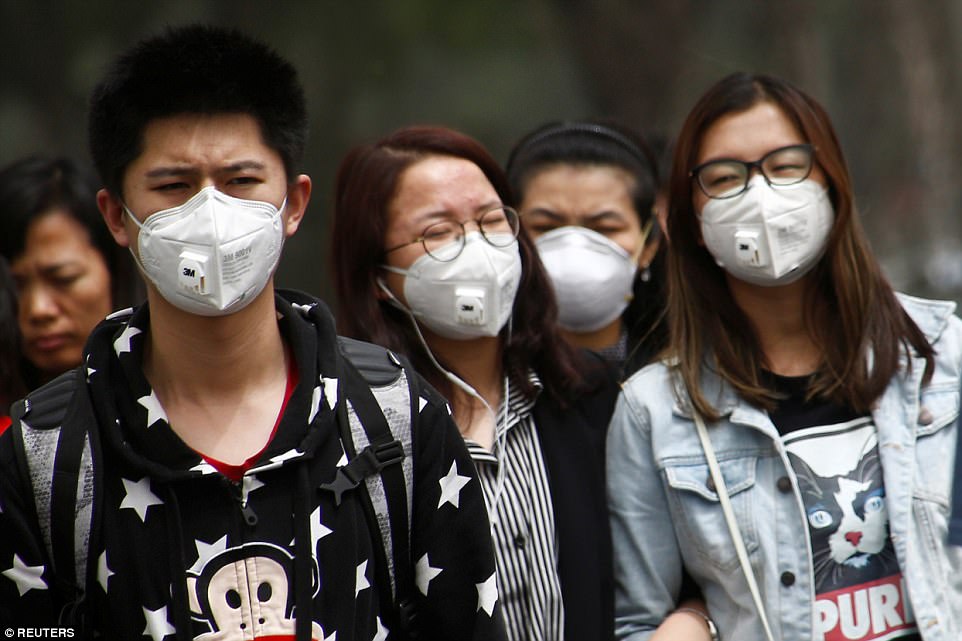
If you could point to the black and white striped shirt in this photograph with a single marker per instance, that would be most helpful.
(523, 528)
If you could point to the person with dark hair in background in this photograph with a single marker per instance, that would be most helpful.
(587, 192)
(11, 381)
(431, 260)
(790, 450)
(221, 494)
(69, 273)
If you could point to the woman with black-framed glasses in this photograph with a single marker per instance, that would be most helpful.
(789, 452)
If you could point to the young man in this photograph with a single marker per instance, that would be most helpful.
(221, 416)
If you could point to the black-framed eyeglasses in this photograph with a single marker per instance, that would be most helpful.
(444, 240)
(727, 177)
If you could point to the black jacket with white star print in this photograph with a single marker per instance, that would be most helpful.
(174, 554)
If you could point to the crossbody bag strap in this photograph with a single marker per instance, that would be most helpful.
(726, 505)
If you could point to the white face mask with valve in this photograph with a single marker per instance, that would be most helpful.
(769, 235)
(468, 297)
(591, 275)
(212, 255)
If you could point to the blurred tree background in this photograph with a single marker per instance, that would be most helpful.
(886, 70)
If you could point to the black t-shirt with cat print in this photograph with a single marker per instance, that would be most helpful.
(860, 595)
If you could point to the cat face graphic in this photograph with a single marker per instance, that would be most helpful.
(848, 523)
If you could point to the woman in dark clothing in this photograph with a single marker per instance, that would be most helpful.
(588, 192)
(430, 260)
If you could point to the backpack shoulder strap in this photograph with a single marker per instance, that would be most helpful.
(52, 444)
(377, 412)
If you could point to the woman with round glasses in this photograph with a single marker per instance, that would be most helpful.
(587, 191)
(790, 452)
(430, 260)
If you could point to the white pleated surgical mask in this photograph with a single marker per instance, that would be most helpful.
(468, 297)
(591, 275)
(769, 235)
(212, 255)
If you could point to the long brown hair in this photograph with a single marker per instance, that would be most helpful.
(367, 181)
(852, 312)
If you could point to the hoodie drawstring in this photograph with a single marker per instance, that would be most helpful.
(177, 561)
(303, 556)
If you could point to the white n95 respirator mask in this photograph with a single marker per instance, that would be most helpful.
(769, 235)
(591, 275)
(212, 255)
(468, 297)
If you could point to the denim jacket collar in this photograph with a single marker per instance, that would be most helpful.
(931, 317)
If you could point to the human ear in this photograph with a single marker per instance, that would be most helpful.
(112, 210)
(298, 195)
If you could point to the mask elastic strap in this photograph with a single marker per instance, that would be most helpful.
(646, 234)
(394, 270)
(130, 247)
(130, 214)
(646, 230)
(470, 391)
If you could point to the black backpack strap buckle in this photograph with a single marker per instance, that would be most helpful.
(369, 461)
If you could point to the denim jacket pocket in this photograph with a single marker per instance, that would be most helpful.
(934, 440)
(699, 515)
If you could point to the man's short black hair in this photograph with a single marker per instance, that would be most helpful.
(196, 69)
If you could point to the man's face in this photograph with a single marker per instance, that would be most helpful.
(185, 153)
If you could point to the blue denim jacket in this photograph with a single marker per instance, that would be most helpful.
(665, 513)
(955, 524)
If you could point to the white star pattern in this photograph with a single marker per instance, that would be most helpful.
(90, 371)
(27, 577)
(205, 552)
(126, 311)
(361, 582)
(204, 468)
(122, 343)
(303, 309)
(315, 403)
(332, 637)
(154, 411)
(139, 497)
(157, 624)
(487, 594)
(330, 391)
(286, 456)
(451, 485)
(421, 403)
(381, 634)
(424, 574)
(249, 483)
(318, 529)
(103, 571)
(341, 462)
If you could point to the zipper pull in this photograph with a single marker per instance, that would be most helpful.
(250, 517)
(242, 493)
